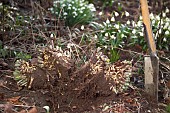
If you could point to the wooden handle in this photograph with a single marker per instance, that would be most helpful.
(147, 23)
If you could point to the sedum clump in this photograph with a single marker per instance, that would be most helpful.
(73, 12)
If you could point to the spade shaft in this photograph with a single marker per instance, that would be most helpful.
(151, 61)
(147, 25)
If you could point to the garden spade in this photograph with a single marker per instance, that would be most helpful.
(151, 60)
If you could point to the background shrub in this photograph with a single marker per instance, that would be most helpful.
(73, 12)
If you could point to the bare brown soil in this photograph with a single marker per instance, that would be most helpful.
(73, 90)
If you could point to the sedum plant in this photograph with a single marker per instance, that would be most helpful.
(73, 12)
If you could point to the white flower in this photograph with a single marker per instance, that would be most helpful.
(140, 17)
(102, 31)
(63, 5)
(98, 49)
(95, 36)
(167, 19)
(74, 13)
(55, 12)
(106, 34)
(105, 47)
(166, 25)
(128, 22)
(47, 108)
(158, 17)
(153, 21)
(81, 4)
(167, 32)
(155, 36)
(133, 23)
(107, 21)
(167, 10)
(55, 2)
(117, 26)
(143, 29)
(69, 8)
(104, 23)
(100, 13)
(164, 39)
(51, 35)
(141, 34)
(122, 35)
(51, 9)
(105, 38)
(112, 37)
(161, 23)
(112, 19)
(139, 23)
(81, 11)
(69, 45)
(65, 13)
(82, 27)
(134, 31)
(126, 13)
(152, 16)
(73, 8)
(82, 8)
(116, 14)
(91, 7)
(164, 14)
(160, 31)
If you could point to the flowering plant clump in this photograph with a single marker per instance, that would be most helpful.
(73, 12)
(161, 31)
(112, 35)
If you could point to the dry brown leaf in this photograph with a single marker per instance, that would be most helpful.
(23, 111)
(32, 110)
(14, 100)
(8, 108)
(1, 96)
(129, 100)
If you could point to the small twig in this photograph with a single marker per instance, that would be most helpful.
(129, 51)
(25, 106)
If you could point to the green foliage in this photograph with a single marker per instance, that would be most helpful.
(22, 55)
(10, 16)
(5, 52)
(73, 12)
(114, 55)
(17, 75)
(168, 109)
(104, 2)
(107, 2)
(21, 80)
